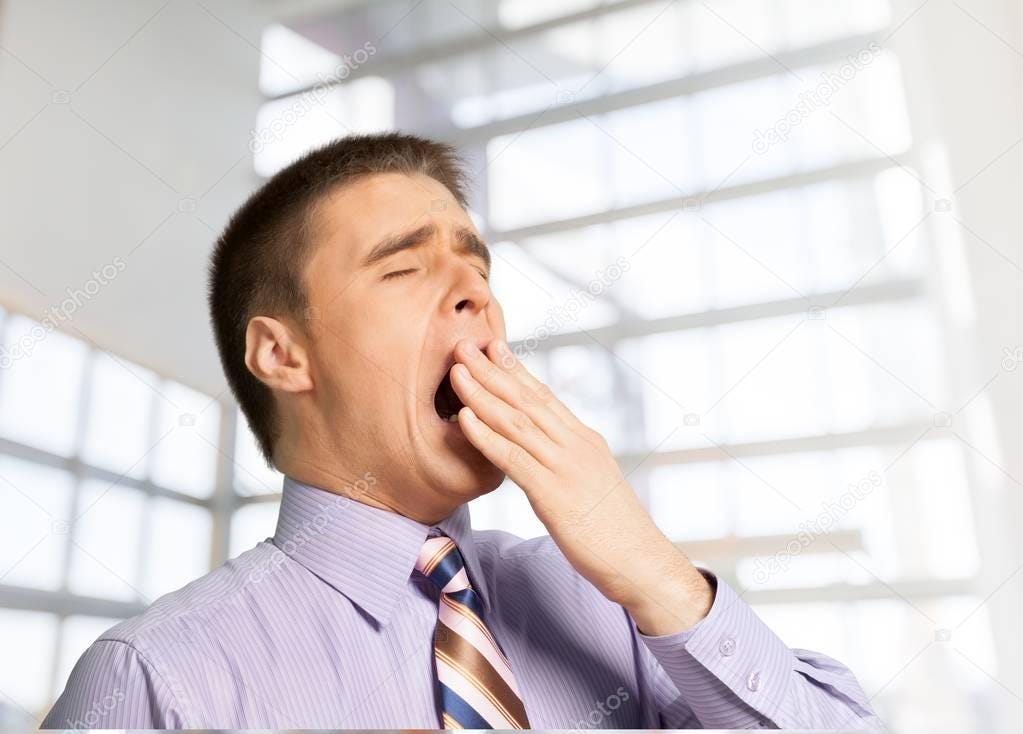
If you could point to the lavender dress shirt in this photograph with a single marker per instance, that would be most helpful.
(326, 625)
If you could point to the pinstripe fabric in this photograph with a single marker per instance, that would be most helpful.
(326, 625)
(475, 679)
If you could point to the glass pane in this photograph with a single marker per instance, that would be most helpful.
(522, 13)
(553, 172)
(187, 434)
(252, 524)
(399, 27)
(675, 373)
(586, 379)
(691, 501)
(893, 352)
(885, 642)
(40, 387)
(107, 541)
(851, 369)
(649, 159)
(291, 61)
(935, 539)
(538, 302)
(808, 571)
(744, 251)
(77, 634)
(807, 22)
(35, 514)
(251, 474)
(118, 434)
(649, 266)
(28, 641)
(620, 50)
(714, 138)
(853, 515)
(508, 509)
(288, 128)
(186, 531)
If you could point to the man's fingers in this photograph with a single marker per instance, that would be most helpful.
(532, 390)
(512, 459)
(511, 389)
(508, 421)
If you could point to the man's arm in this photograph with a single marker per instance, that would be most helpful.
(734, 672)
(113, 686)
(726, 664)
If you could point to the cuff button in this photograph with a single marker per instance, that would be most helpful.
(753, 681)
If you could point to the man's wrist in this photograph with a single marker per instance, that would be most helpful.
(683, 597)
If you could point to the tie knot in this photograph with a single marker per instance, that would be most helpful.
(440, 561)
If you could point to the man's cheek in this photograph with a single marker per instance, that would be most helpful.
(495, 318)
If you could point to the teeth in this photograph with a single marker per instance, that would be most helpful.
(453, 418)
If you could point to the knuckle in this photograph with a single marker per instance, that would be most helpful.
(543, 394)
(487, 370)
(516, 456)
(521, 422)
(596, 438)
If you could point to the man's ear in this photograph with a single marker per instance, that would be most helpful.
(275, 356)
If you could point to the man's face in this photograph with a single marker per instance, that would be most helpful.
(397, 276)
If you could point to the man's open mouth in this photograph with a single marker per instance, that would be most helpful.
(445, 401)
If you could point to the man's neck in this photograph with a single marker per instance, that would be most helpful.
(367, 490)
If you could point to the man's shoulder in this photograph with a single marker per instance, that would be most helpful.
(176, 614)
(501, 546)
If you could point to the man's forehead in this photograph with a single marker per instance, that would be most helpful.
(361, 213)
(391, 192)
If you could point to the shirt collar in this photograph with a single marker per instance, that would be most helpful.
(366, 553)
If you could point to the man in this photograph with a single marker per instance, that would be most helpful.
(350, 302)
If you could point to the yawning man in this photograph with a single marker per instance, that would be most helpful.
(351, 306)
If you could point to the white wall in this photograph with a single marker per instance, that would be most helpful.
(124, 135)
(964, 70)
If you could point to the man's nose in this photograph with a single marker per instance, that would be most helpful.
(470, 293)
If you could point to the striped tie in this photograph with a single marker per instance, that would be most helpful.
(477, 688)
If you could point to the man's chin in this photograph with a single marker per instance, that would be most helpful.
(472, 478)
(466, 472)
(459, 465)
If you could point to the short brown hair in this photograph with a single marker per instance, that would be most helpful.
(257, 263)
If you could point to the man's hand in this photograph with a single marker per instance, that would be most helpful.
(576, 489)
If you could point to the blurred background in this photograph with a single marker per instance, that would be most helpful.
(770, 248)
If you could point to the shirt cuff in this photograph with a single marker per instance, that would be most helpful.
(730, 648)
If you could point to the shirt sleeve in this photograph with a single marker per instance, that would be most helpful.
(112, 686)
(734, 672)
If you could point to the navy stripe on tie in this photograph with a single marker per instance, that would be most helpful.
(448, 567)
(456, 707)
(469, 598)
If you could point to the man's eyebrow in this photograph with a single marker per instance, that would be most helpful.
(397, 243)
(469, 242)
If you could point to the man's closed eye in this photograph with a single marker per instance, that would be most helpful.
(398, 273)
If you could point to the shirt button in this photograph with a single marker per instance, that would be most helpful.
(753, 681)
(727, 646)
